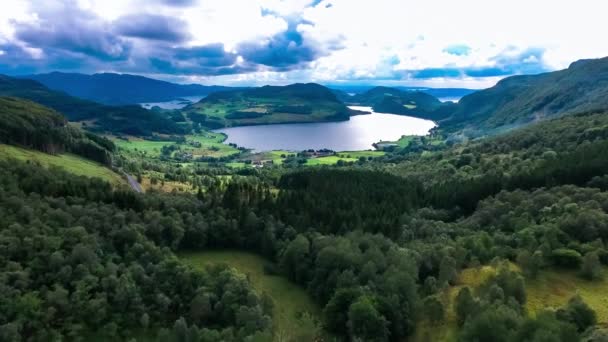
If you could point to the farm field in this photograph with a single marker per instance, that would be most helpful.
(211, 145)
(290, 300)
(69, 162)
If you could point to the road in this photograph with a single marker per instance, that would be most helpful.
(133, 183)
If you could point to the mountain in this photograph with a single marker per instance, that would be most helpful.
(120, 89)
(28, 124)
(395, 101)
(295, 103)
(519, 100)
(133, 120)
(441, 93)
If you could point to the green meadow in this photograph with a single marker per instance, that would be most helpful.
(551, 289)
(291, 302)
(211, 145)
(69, 162)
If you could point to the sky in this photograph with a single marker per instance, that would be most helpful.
(434, 43)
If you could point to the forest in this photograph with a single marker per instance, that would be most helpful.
(438, 237)
(375, 244)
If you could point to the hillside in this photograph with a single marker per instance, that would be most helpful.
(518, 100)
(120, 89)
(31, 125)
(133, 119)
(68, 162)
(395, 101)
(295, 103)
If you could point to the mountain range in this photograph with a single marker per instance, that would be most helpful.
(512, 102)
(132, 119)
(120, 89)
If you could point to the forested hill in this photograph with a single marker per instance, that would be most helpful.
(133, 119)
(392, 100)
(120, 89)
(293, 103)
(27, 124)
(518, 100)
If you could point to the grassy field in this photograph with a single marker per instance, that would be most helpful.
(347, 156)
(211, 145)
(406, 140)
(551, 289)
(69, 162)
(290, 300)
(329, 160)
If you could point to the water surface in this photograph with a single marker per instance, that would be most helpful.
(175, 104)
(358, 133)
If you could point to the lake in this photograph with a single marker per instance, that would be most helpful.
(175, 104)
(356, 134)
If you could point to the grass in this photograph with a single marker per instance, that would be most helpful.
(211, 145)
(69, 162)
(406, 140)
(269, 108)
(551, 289)
(164, 186)
(329, 160)
(236, 165)
(347, 156)
(290, 300)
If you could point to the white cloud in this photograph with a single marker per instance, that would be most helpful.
(379, 39)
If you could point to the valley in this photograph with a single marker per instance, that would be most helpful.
(137, 209)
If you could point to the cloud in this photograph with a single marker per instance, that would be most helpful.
(179, 3)
(208, 60)
(277, 41)
(458, 50)
(71, 29)
(285, 50)
(151, 26)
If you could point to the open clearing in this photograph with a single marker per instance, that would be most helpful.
(290, 300)
(551, 289)
(69, 162)
(211, 145)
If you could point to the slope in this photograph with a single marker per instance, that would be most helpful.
(295, 103)
(395, 101)
(133, 120)
(519, 100)
(120, 89)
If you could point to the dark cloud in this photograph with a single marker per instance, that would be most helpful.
(150, 26)
(210, 60)
(71, 29)
(285, 50)
(528, 61)
(507, 63)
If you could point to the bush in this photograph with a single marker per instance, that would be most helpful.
(565, 257)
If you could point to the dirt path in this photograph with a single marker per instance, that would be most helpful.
(133, 183)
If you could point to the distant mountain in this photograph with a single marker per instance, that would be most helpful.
(518, 100)
(295, 103)
(395, 101)
(133, 119)
(441, 93)
(120, 89)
